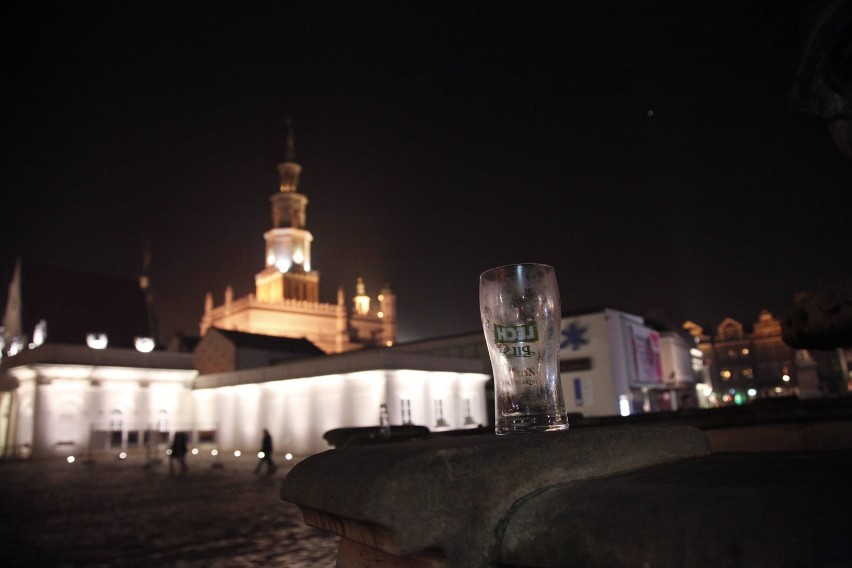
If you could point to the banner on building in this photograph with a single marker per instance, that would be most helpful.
(645, 364)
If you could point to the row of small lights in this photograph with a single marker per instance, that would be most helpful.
(195, 451)
(93, 341)
(100, 341)
(732, 394)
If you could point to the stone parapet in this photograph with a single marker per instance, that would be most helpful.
(447, 501)
(749, 509)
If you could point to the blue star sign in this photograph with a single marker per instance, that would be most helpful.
(574, 335)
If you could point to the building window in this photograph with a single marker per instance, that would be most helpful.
(162, 421)
(439, 415)
(574, 365)
(726, 374)
(468, 419)
(115, 427)
(748, 373)
(207, 436)
(405, 406)
(162, 427)
(730, 332)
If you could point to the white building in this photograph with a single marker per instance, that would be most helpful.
(298, 402)
(59, 399)
(611, 363)
(71, 400)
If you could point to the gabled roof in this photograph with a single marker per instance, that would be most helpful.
(291, 345)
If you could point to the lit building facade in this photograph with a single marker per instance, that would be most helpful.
(749, 365)
(72, 400)
(286, 300)
(299, 401)
(745, 365)
(611, 363)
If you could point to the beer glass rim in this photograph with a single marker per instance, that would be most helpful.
(515, 265)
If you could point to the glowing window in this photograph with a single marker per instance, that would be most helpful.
(623, 405)
(115, 426)
(163, 421)
(283, 265)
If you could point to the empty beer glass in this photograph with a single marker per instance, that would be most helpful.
(521, 319)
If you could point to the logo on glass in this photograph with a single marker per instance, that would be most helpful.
(516, 333)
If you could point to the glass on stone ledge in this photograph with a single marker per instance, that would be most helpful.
(521, 319)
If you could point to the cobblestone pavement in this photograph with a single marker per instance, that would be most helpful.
(126, 513)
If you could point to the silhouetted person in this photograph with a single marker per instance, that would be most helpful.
(178, 452)
(266, 450)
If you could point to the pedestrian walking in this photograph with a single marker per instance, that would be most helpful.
(265, 455)
(178, 452)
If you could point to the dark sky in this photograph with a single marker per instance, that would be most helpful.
(645, 149)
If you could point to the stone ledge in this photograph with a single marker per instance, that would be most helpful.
(765, 509)
(441, 500)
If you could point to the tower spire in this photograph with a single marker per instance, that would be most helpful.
(289, 170)
(290, 151)
(288, 273)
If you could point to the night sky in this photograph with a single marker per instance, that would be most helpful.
(647, 150)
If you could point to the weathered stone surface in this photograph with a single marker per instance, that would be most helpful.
(733, 509)
(446, 497)
(371, 435)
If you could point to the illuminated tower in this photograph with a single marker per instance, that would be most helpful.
(286, 300)
(288, 273)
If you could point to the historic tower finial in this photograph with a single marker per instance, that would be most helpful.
(290, 152)
(288, 273)
(288, 206)
(289, 170)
